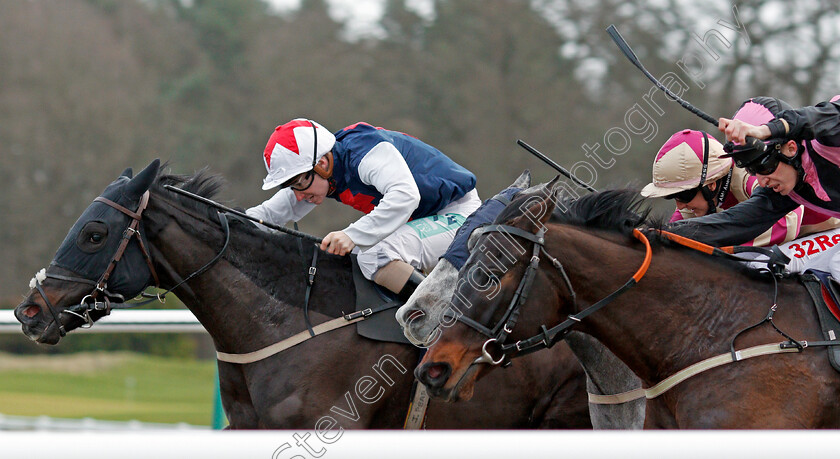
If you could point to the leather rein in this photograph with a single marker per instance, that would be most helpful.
(89, 302)
(548, 337)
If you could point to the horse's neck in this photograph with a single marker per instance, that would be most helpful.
(231, 299)
(682, 309)
(281, 266)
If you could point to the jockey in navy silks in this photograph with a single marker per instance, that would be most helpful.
(798, 163)
(414, 196)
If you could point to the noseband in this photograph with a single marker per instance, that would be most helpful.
(89, 302)
(548, 337)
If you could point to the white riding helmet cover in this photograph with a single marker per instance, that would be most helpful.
(679, 164)
(293, 148)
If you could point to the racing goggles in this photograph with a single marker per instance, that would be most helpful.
(756, 157)
(300, 182)
(765, 165)
(685, 195)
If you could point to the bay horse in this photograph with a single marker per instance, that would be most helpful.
(246, 286)
(685, 307)
(425, 313)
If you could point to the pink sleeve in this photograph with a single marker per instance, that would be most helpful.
(784, 230)
(751, 184)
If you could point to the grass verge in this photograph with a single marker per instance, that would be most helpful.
(114, 386)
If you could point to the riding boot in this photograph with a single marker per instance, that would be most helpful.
(411, 285)
(399, 277)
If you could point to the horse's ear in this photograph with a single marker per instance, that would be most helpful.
(537, 209)
(139, 184)
(128, 172)
(524, 180)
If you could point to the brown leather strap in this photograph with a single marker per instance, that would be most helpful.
(325, 172)
(130, 231)
(134, 215)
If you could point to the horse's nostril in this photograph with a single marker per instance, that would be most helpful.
(435, 371)
(31, 311)
(413, 314)
(433, 375)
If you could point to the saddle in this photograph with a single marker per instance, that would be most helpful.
(825, 292)
(379, 307)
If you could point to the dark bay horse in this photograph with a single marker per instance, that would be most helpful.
(687, 307)
(425, 313)
(253, 297)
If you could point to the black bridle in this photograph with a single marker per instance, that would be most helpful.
(548, 337)
(89, 302)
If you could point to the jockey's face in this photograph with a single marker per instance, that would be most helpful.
(316, 192)
(698, 206)
(309, 186)
(784, 178)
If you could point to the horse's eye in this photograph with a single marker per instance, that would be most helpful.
(92, 236)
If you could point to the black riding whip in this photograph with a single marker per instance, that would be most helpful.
(556, 166)
(224, 208)
(625, 48)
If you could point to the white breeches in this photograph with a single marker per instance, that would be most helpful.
(420, 242)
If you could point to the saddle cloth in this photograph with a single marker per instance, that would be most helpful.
(825, 292)
(382, 325)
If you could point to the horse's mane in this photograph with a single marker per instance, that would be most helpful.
(203, 183)
(208, 184)
(271, 255)
(617, 210)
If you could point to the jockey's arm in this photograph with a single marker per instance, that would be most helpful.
(738, 224)
(385, 169)
(281, 208)
(820, 122)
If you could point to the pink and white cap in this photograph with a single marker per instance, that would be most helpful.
(679, 164)
(289, 150)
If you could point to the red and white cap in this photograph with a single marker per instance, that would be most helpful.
(290, 150)
(679, 164)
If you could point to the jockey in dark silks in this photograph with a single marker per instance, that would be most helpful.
(798, 163)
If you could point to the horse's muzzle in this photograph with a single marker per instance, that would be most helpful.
(34, 323)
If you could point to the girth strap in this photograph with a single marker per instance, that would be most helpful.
(294, 340)
(693, 370)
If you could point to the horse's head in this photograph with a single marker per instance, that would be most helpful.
(496, 282)
(425, 312)
(102, 259)
(514, 284)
